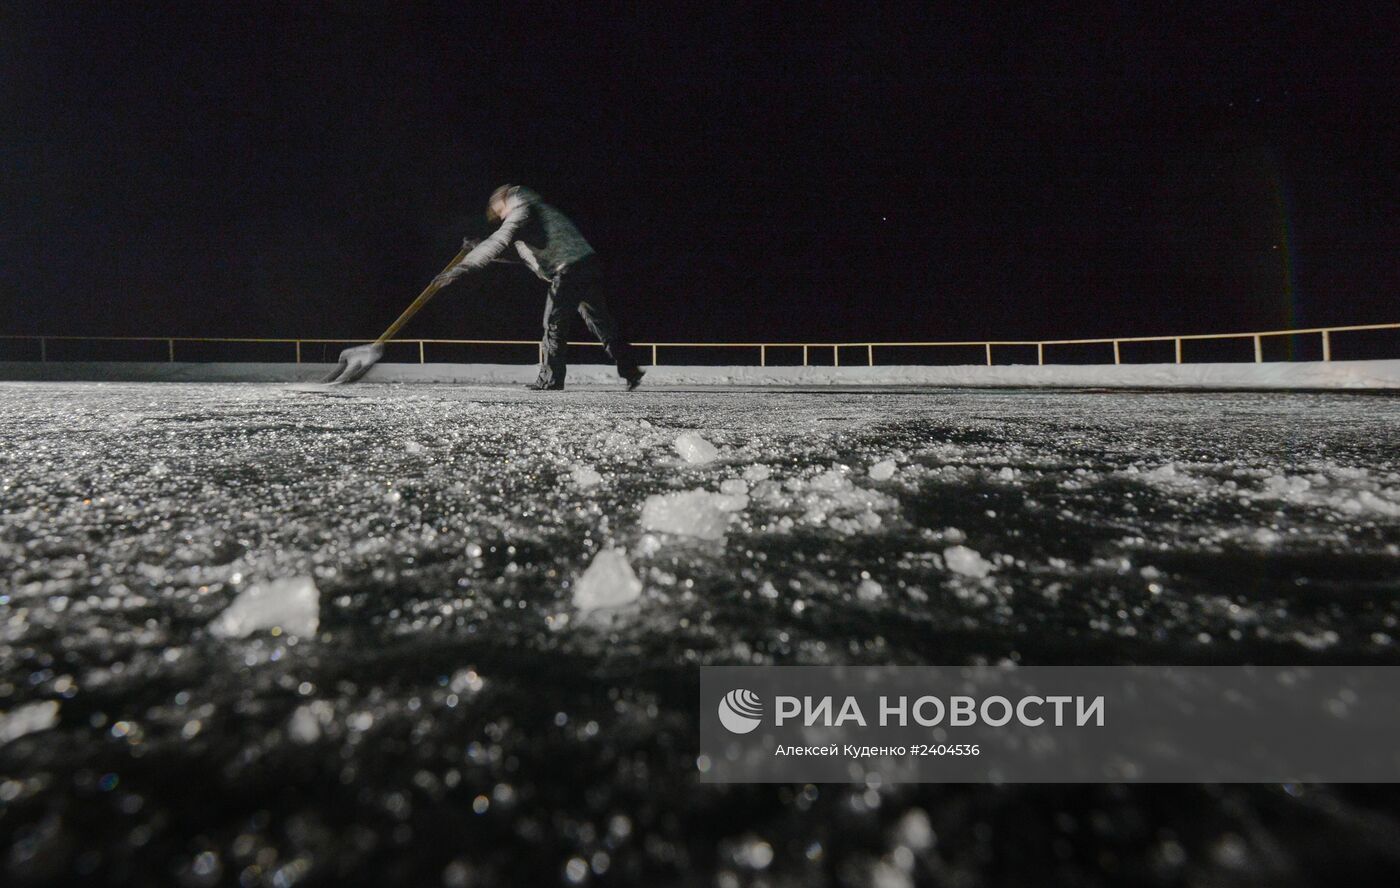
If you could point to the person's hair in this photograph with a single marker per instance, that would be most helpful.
(499, 194)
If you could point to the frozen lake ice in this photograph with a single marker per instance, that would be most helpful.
(449, 716)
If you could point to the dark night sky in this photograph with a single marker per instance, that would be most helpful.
(303, 169)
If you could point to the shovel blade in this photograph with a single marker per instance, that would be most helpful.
(354, 363)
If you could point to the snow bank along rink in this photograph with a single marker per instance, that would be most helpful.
(1299, 375)
(448, 635)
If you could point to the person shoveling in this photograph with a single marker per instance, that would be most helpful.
(553, 248)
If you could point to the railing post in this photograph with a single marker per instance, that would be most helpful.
(989, 353)
(1326, 345)
(1040, 353)
(43, 349)
(763, 356)
(804, 356)
(653, 354)
(1117, 354)
(1178, 349)
(298, 351)
(171, 349)
(421, 358)
(1258, 349)
(835, 355)
(870, 353)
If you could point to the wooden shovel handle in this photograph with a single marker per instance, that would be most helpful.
(428, 293)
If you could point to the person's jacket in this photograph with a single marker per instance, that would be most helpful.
(543, 236)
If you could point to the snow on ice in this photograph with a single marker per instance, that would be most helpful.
(291, 604)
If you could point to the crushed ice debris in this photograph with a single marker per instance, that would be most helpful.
(734, 487)
(965, 561)
(27, 719)
(585, 475)
(695, 449)
(608, 582)
(696, 513)
(291, 604)
(883, 470)
(412, 447)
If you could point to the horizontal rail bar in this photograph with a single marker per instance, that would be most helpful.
(868, 345)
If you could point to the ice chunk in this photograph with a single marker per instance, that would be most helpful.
(831, 481)
(886, 875)
(303, 727)
(869, 590)
(883, 470)
(731, 502)
(28, 719)
(291, 604)
(608, 582)
(757, 472)
(1284, 485)
(734, 487)
(914, 831)
(585, 476)
(965, 561)
(695, 449)
(696, 513)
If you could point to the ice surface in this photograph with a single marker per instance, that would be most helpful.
(607, 583)
(694, 449)
(28, 719)
(291, 604)
(444, 681)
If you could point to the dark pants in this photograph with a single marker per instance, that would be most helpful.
(579, 288)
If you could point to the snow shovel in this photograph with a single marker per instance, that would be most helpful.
(356, 360)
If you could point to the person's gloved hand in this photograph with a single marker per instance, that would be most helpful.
(448, 276)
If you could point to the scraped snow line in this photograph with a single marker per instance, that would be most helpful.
(1279, 375)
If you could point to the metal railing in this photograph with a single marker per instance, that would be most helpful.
(763, 348)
